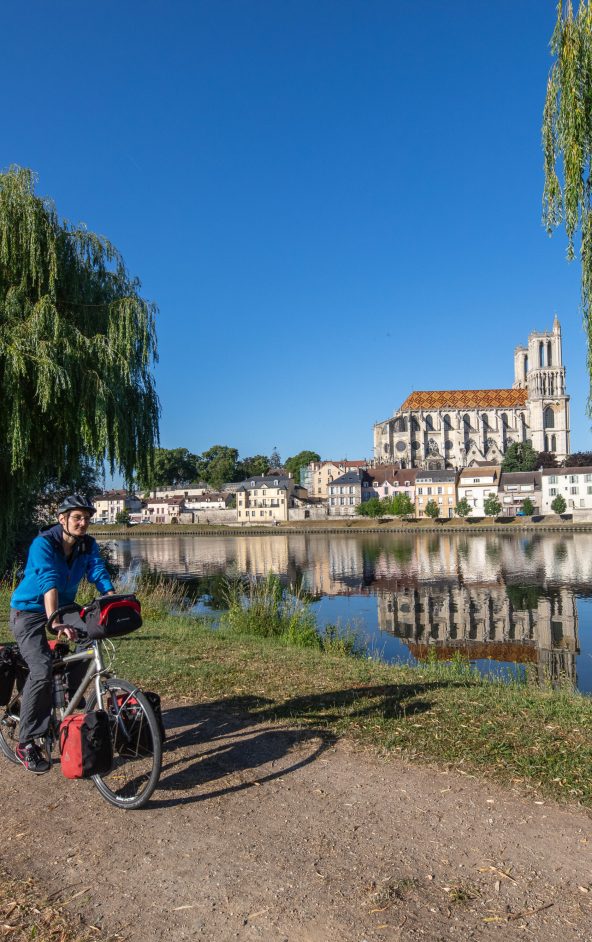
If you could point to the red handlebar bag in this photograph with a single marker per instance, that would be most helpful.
(112, 616)
(85, 745)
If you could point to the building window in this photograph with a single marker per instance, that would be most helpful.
(573, 490)
(553, 491)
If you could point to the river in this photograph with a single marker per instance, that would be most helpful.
(499, 599)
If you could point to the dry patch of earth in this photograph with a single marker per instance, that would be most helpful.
(266, 833)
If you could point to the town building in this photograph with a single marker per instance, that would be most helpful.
(461, 427)
(163, 510)
(211, 500)
(475, 485)
(439, 486)
(320, 474)
(573, 484)
(110, 503)
(515, 487)
(267, 499)
(347, 491)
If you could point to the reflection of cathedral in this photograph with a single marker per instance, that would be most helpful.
(482, 622)
(461, 427)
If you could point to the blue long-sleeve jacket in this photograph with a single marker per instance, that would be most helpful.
(47, 568)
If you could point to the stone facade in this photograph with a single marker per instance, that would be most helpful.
(464, 427)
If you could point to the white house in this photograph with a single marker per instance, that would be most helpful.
(573, 484)
(476, 485)
(110, 503)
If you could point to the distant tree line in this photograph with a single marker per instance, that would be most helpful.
(521, 456)
(219, 465)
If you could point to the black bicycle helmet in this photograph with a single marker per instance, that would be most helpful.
(76, 502)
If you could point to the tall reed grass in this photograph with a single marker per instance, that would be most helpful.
(266, 608)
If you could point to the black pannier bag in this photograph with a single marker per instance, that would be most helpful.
(112, 616)
(134, 738)
(7, 673)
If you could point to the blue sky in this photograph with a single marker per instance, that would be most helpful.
(332, 203)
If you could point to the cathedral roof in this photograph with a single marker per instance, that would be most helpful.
(466, 399)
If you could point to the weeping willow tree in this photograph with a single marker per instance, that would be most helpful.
(567, 145)
(77, 348)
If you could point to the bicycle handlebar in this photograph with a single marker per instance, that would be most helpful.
(70, 609)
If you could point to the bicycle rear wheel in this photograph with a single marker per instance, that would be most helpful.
(137, 749)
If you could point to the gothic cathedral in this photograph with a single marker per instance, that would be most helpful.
(466, 427)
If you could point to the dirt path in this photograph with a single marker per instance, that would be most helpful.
(262, 833)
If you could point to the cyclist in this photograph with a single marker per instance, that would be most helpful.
(58, 559)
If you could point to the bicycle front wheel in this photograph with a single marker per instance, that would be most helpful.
(137, 748)
(9, 728)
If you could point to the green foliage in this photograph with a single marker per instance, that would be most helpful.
(520, 456)
(371, 508)
(528, 507)
(295, 464)
(463, 508)
(432, 510)
(77, 348)
(492, 506)
(567, 143)
(546, 459)
(558, 506)
(218, 465)
(400, 505)
(579, 459)
(123, 517)
(274, 459)
(173, 467)
(256, 466)
(266, 608)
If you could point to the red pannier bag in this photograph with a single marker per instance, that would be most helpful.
(85, 745)
(112, 616)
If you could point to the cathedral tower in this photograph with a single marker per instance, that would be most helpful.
(545, 382)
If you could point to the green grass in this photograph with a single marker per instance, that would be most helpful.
(533, 737)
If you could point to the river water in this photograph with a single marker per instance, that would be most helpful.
(499, 599)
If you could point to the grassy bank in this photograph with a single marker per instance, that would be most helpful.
(538, 738)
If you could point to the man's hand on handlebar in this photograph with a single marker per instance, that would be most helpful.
(66, 631)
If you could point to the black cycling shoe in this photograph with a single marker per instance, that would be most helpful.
(31, 757)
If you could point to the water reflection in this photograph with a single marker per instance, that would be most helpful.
(489, 596)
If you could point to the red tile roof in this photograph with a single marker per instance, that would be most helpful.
(466, 399)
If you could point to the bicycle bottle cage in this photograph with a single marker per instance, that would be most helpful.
(112, 616)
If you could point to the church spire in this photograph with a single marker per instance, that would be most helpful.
(556, 325)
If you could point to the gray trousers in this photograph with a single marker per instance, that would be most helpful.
(36, 699)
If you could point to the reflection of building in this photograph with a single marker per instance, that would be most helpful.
(461, 427)
(483, 622)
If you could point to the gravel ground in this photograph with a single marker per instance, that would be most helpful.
(266, 833)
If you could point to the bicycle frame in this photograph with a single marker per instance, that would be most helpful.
(95, 670)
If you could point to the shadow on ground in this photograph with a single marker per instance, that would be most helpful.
(230, 744)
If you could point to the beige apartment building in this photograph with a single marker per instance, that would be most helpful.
(267, 499)
(321, 474)
(111, 503)
(439, 486)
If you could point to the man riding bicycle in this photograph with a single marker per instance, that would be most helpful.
(59, 558)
